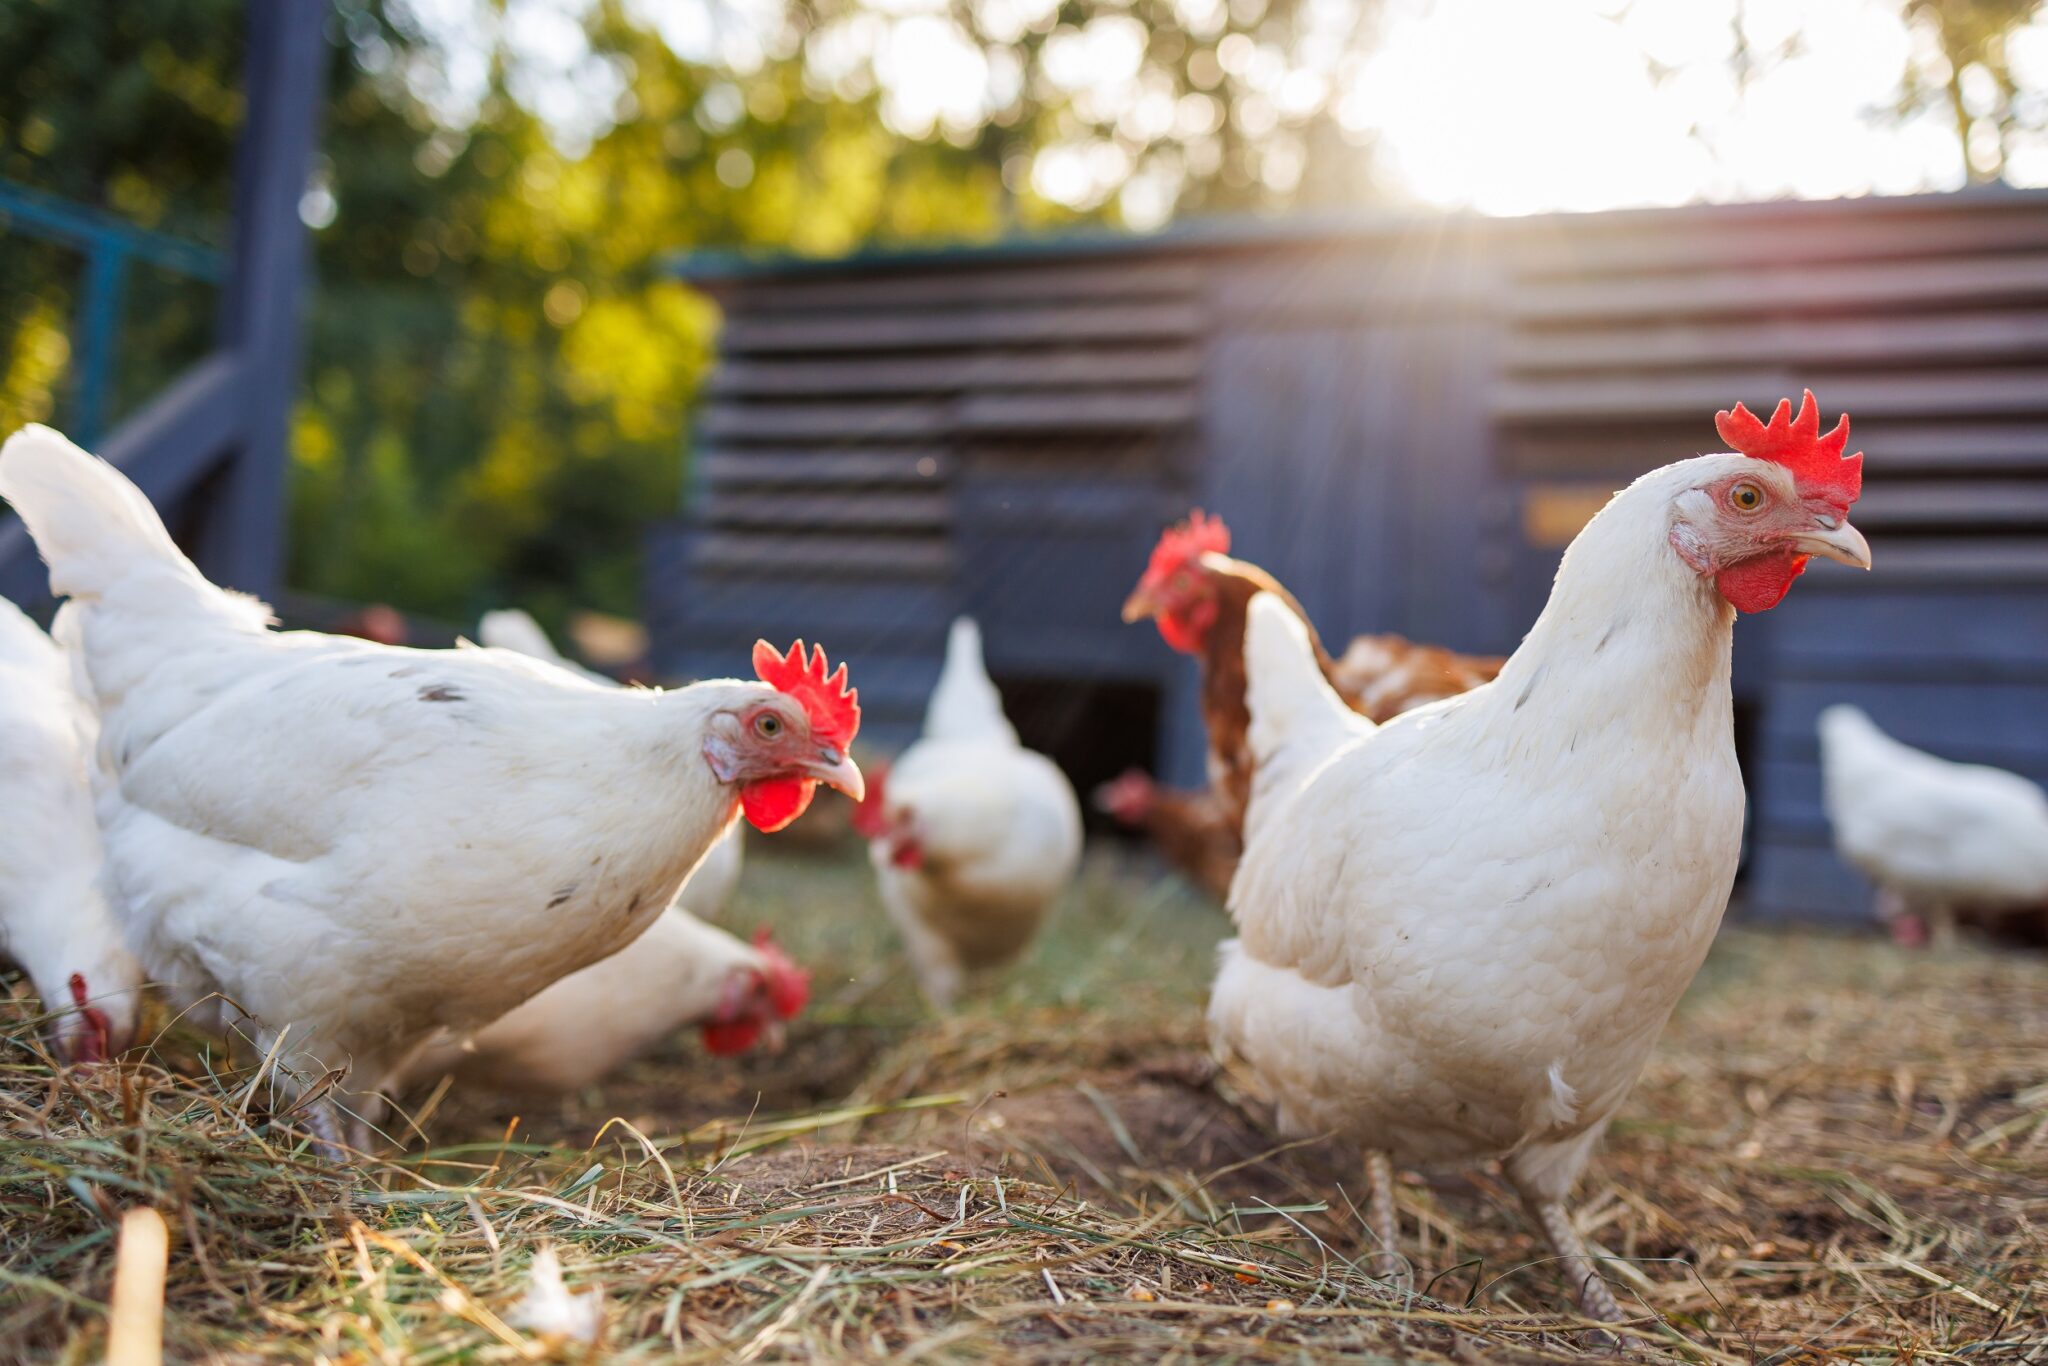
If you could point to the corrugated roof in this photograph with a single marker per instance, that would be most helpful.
(711, 265)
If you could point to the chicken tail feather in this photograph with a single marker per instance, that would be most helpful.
(1296, 718)
(94, 528)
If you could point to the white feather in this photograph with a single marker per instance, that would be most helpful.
(999, 827)
(1939, 834)
(54, 916)
(364, 843)
(1461, 932)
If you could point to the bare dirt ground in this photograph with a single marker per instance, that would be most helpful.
(1838, 1153)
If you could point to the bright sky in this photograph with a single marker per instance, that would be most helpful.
(1505, 106)
(1514, 106)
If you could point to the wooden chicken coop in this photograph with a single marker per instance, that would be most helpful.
(1405, 419)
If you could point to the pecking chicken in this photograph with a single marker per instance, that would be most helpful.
(1460, 933)
(361, 844)
(973, 837)
(679, 972)
(1197, 595)
(54, 917)
(707, 890)
(1943, 841)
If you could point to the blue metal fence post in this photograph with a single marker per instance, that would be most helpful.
(99, 328)
(242, 541)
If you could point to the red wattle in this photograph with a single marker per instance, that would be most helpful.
(789, 986)
(908, 854)
(726, 1040)
(1184, 636)
(774, 802)
(1760, 584)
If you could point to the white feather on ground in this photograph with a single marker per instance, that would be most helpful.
(551, 1311)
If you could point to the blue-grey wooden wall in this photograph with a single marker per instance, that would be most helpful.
(1399, 418)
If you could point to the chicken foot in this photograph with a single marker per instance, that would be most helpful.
(1380, 1215)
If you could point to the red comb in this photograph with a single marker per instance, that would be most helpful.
(1184, 542)
(834, 708)
(789, 986)
(1817, 464)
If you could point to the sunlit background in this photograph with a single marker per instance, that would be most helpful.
(499, 375)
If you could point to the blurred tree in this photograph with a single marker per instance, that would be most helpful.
(497, 374)
(132, 110)
(1964, 69)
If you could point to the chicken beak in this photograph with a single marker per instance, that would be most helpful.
(836, 770)
(1841, 542)
(1139, 605)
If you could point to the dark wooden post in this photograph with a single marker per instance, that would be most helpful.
(240, 541)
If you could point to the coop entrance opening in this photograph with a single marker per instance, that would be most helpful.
(1093, 730)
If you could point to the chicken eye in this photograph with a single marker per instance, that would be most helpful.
(1746, 497)
(767, 725)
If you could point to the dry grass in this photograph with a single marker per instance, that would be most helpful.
(1840, 1152)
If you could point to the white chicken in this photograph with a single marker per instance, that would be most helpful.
(680, 972)
(1938, 838)
(54, 917)
(1461, 932)
(710, 887)
(973, 837)
(362, 844)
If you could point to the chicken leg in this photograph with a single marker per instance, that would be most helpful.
(1595, 1300)
(1381, 1217)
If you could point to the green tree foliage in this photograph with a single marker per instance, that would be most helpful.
(131, 110)
(1970, 77)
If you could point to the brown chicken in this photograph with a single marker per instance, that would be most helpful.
(1191, 829)
(1197, 596)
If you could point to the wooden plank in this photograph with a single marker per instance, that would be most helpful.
(823, 465)
(1619, 452)
(1790, 803)
(1665, 344)
(1580, 400)
(953, 372)
(1993, 723)
(1053, 507)
(1975, 504)
(1888, 635)
(887, 615)
(886, 683)
(972, 282)
(1795, 880)
(791, 512)
(878, 331)
(1075, 411)
(1846, 288)
(1993, 561)
(748, 553)
(1752, 237)
(728, 421)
